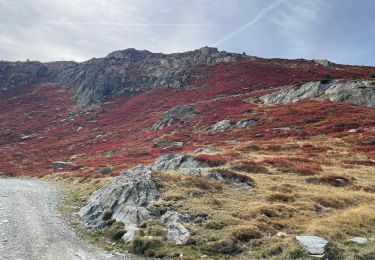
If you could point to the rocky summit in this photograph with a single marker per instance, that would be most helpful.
(201, 154)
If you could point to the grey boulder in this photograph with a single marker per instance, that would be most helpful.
(178, 113)
(178, 162)
(314, 245)
(176, 231)
(221, 126)
(62, 165)
(359, 240)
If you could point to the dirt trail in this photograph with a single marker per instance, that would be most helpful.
(31, 228)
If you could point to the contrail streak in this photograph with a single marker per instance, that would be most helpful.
(124, 24)
(264, 12)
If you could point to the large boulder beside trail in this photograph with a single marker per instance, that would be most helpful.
(127, 196)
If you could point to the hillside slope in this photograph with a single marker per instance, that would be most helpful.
(285, 141)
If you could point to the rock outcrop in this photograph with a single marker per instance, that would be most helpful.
(127, 196)
(359, 92)
(17, 75)
(188, 165)
(131, 71)
(178, 113)
(129, 199)
(121, 72)
(182, 163)
(225, 125)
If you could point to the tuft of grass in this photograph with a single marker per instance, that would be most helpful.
(359, 162)
(145, 246)
(116, 231)
(211, 160)
(234, 176)
(107, 214)
(245, 234)
(280, 197)
(334, 180)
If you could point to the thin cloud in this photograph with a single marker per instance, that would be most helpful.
(264, 12)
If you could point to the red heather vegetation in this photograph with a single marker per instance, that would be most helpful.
(211, 160)
(118, 132)
(301, 166)
(250, 167)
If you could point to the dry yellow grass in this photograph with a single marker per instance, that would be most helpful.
(242, 223)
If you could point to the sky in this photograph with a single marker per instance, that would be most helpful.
(342, 31)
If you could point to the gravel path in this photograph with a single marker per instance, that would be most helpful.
(31, 228)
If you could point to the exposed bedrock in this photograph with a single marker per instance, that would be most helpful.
(358, 92)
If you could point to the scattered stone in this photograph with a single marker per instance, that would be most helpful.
(243, 123)
(206, 150)
(323, 62)
(359, 240)
(352, 131)
(369, 142)
(221, 126)
(281, 234)
(179, 113)
(62, 165)
(176, 231)
(109, 153)
(103, 170)
(26, 137)
(314, 245)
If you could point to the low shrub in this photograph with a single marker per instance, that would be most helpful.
(280, 197)
(201, 183)
(251, 148)
(334, 180)
(302, 166)
(116, 231)
(250, 167)
(359, 162)
(145, 246)
(214, 225)
(211, 160)
(247, 234)
(233, 176)
(224, 246)
(107, 214)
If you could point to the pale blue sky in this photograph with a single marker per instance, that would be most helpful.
(340, 30)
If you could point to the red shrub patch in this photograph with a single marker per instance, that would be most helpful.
(360, 163)
(302, 166)
(250, 167)
(335, 180)
(211, 160)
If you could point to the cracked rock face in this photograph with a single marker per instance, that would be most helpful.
(127, 196)
(358, 92)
